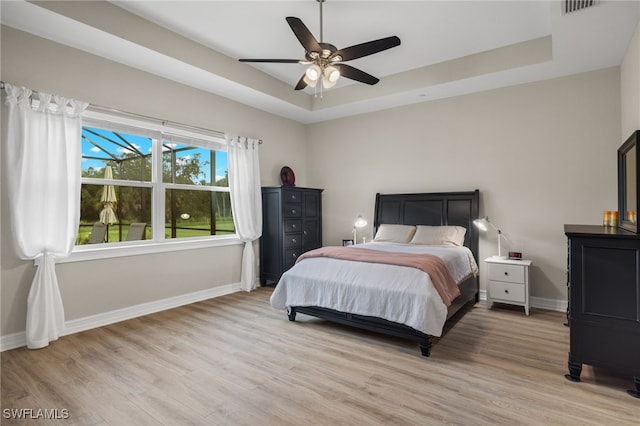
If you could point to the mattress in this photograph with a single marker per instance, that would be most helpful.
(400, 294)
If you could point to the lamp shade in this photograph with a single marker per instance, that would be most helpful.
(312, 75)
(313, 72)
(326, 83)
(483, 224)
(330, 76)
(360, 222)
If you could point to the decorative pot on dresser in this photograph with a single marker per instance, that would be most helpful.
(291, 225)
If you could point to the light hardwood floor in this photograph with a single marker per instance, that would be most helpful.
(234, 361)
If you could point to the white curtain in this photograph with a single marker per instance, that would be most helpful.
(43, 156)
(246, 202)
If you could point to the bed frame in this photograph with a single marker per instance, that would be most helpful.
(441, 208)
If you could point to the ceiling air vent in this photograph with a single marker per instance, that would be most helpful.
(569, 6)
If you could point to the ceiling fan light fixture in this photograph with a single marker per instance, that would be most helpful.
(331, 74)
(312, 74)
(326, 84)
(310, 83)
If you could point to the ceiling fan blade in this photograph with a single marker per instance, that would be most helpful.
(348, 71)
(306, 39)
(365, 49)
(277, 61)
(301, 83)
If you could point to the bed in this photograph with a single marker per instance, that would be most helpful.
(335, 289)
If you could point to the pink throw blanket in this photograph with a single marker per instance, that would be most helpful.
(432, 265)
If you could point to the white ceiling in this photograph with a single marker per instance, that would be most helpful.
(438, 37)
(430, 32)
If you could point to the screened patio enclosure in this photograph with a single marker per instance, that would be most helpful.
(188, 184)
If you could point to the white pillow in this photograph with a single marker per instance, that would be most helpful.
(395, 233)
(439, 235)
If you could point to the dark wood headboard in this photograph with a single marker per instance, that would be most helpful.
(435, 209)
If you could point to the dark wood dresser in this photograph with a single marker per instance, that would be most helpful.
(604, 300)
(291, 225)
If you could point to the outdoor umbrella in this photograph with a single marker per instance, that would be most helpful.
(109, 200)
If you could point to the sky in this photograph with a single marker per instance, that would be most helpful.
(106, 144)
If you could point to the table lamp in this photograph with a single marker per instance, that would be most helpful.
(359, 223)
(483, 225)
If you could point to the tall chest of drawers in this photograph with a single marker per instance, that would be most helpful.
(291, 225)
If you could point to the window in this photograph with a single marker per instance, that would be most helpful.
(196, 184)
(151, 185)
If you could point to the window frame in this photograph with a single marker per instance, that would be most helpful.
(158, 243)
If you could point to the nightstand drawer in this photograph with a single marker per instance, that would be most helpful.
(506, 291)
(507, 273)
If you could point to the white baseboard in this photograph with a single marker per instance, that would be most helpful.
(549, 304)
(539, 302)
(17, 340)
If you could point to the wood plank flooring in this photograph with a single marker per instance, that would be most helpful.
(234, 361)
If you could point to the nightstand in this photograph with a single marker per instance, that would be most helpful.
(508, 282)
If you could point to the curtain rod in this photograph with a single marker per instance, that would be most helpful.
(99, 108)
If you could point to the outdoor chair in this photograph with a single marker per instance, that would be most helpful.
(136, 231)
(98, 232)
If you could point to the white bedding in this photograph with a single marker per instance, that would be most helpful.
(396, 293)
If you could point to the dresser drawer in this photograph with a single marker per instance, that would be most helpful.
(290, 257)
(506, 291)
(291, 197)
(292, 210)
(292, 240)
(292, 225)
(507, 273)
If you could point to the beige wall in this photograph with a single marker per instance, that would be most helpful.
(542, 154)
(95, 287)
(630, 86)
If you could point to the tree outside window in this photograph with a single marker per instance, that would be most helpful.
(192, 189)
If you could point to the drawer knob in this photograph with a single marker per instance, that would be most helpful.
(293, 197)
(506, 291)
(294, 226)
(506, 273)
(294, 255)
(293, 240)
(293, 211)
(304, 232)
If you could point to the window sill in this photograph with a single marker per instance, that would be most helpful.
(105, 251)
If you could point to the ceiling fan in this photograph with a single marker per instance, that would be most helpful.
(325, 60)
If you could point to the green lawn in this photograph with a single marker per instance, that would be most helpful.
(191, 229)
(224, 226)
